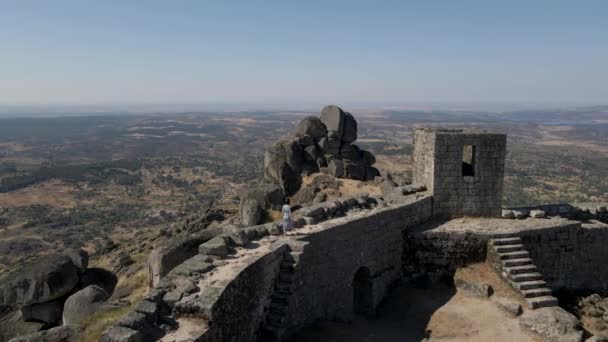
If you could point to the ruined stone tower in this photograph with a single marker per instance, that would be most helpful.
(463, 169)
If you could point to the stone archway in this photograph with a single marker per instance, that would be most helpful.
(363, 298)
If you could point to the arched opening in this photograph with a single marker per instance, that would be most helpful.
(363, 301)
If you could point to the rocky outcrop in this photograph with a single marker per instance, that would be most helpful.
(595, 308)
(164, 258)
(34, 297)
(317, 143)
(49, 312)
(48, 279)
(251, 212)
(552, 324)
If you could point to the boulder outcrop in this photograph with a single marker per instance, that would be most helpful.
(317, 143)
(83, 304)
(48, 279)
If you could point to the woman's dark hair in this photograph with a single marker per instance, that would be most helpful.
(287, 201)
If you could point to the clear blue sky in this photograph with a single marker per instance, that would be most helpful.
(105, 52)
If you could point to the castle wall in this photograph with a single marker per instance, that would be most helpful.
(333, 255)
(423, 159)
(235, 308)
(570, 257)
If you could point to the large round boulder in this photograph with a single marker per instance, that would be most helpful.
(333, 119)
(311, 126)
(83, 304)
(50, 278)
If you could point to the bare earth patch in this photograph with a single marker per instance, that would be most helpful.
(53, 193)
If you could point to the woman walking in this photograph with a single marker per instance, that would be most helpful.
(287, 221)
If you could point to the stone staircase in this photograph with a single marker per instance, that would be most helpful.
(274, 325)
(513, 263)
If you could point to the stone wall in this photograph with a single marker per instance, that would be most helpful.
(236, 306)
(458, 191)
(423, 159)
(431, 255)
(333, 255)
(576, 211)
(571, 257)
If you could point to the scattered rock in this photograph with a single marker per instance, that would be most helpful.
(122, 260)
(507, 214)
(65, 333)
(513, 309)
(552, 323)
(185, 285)
(473, 288)
(121, 334)
(216, 246)
(537, 214)
(235, 236)
(518, 214)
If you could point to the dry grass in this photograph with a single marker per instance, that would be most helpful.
(97, 323)
(273, 215)
(53, 193)
(352, 187)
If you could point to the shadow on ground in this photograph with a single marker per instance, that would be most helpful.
(402, 317)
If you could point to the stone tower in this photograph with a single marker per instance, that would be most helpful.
(463, 169)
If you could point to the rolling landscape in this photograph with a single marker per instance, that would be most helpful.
(99, 182)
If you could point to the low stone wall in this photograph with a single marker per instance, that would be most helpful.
(576, 211)
(235, 308)
(428, 253)
(571, 257)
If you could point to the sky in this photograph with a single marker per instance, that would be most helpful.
(303, 52)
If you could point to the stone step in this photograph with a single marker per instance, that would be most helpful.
(519, 278)
(287, 267)
(539, 292)
(283, 286)
(276, 319)
(506, 241)
(503, 235)
(280, 297)
(277, 307)
(516, 262)
(541, 302)
(532, 284)
(513, 270)
(514, 255)
(509, 248)
(286, 277)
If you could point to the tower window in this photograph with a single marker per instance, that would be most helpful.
(468, 160)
